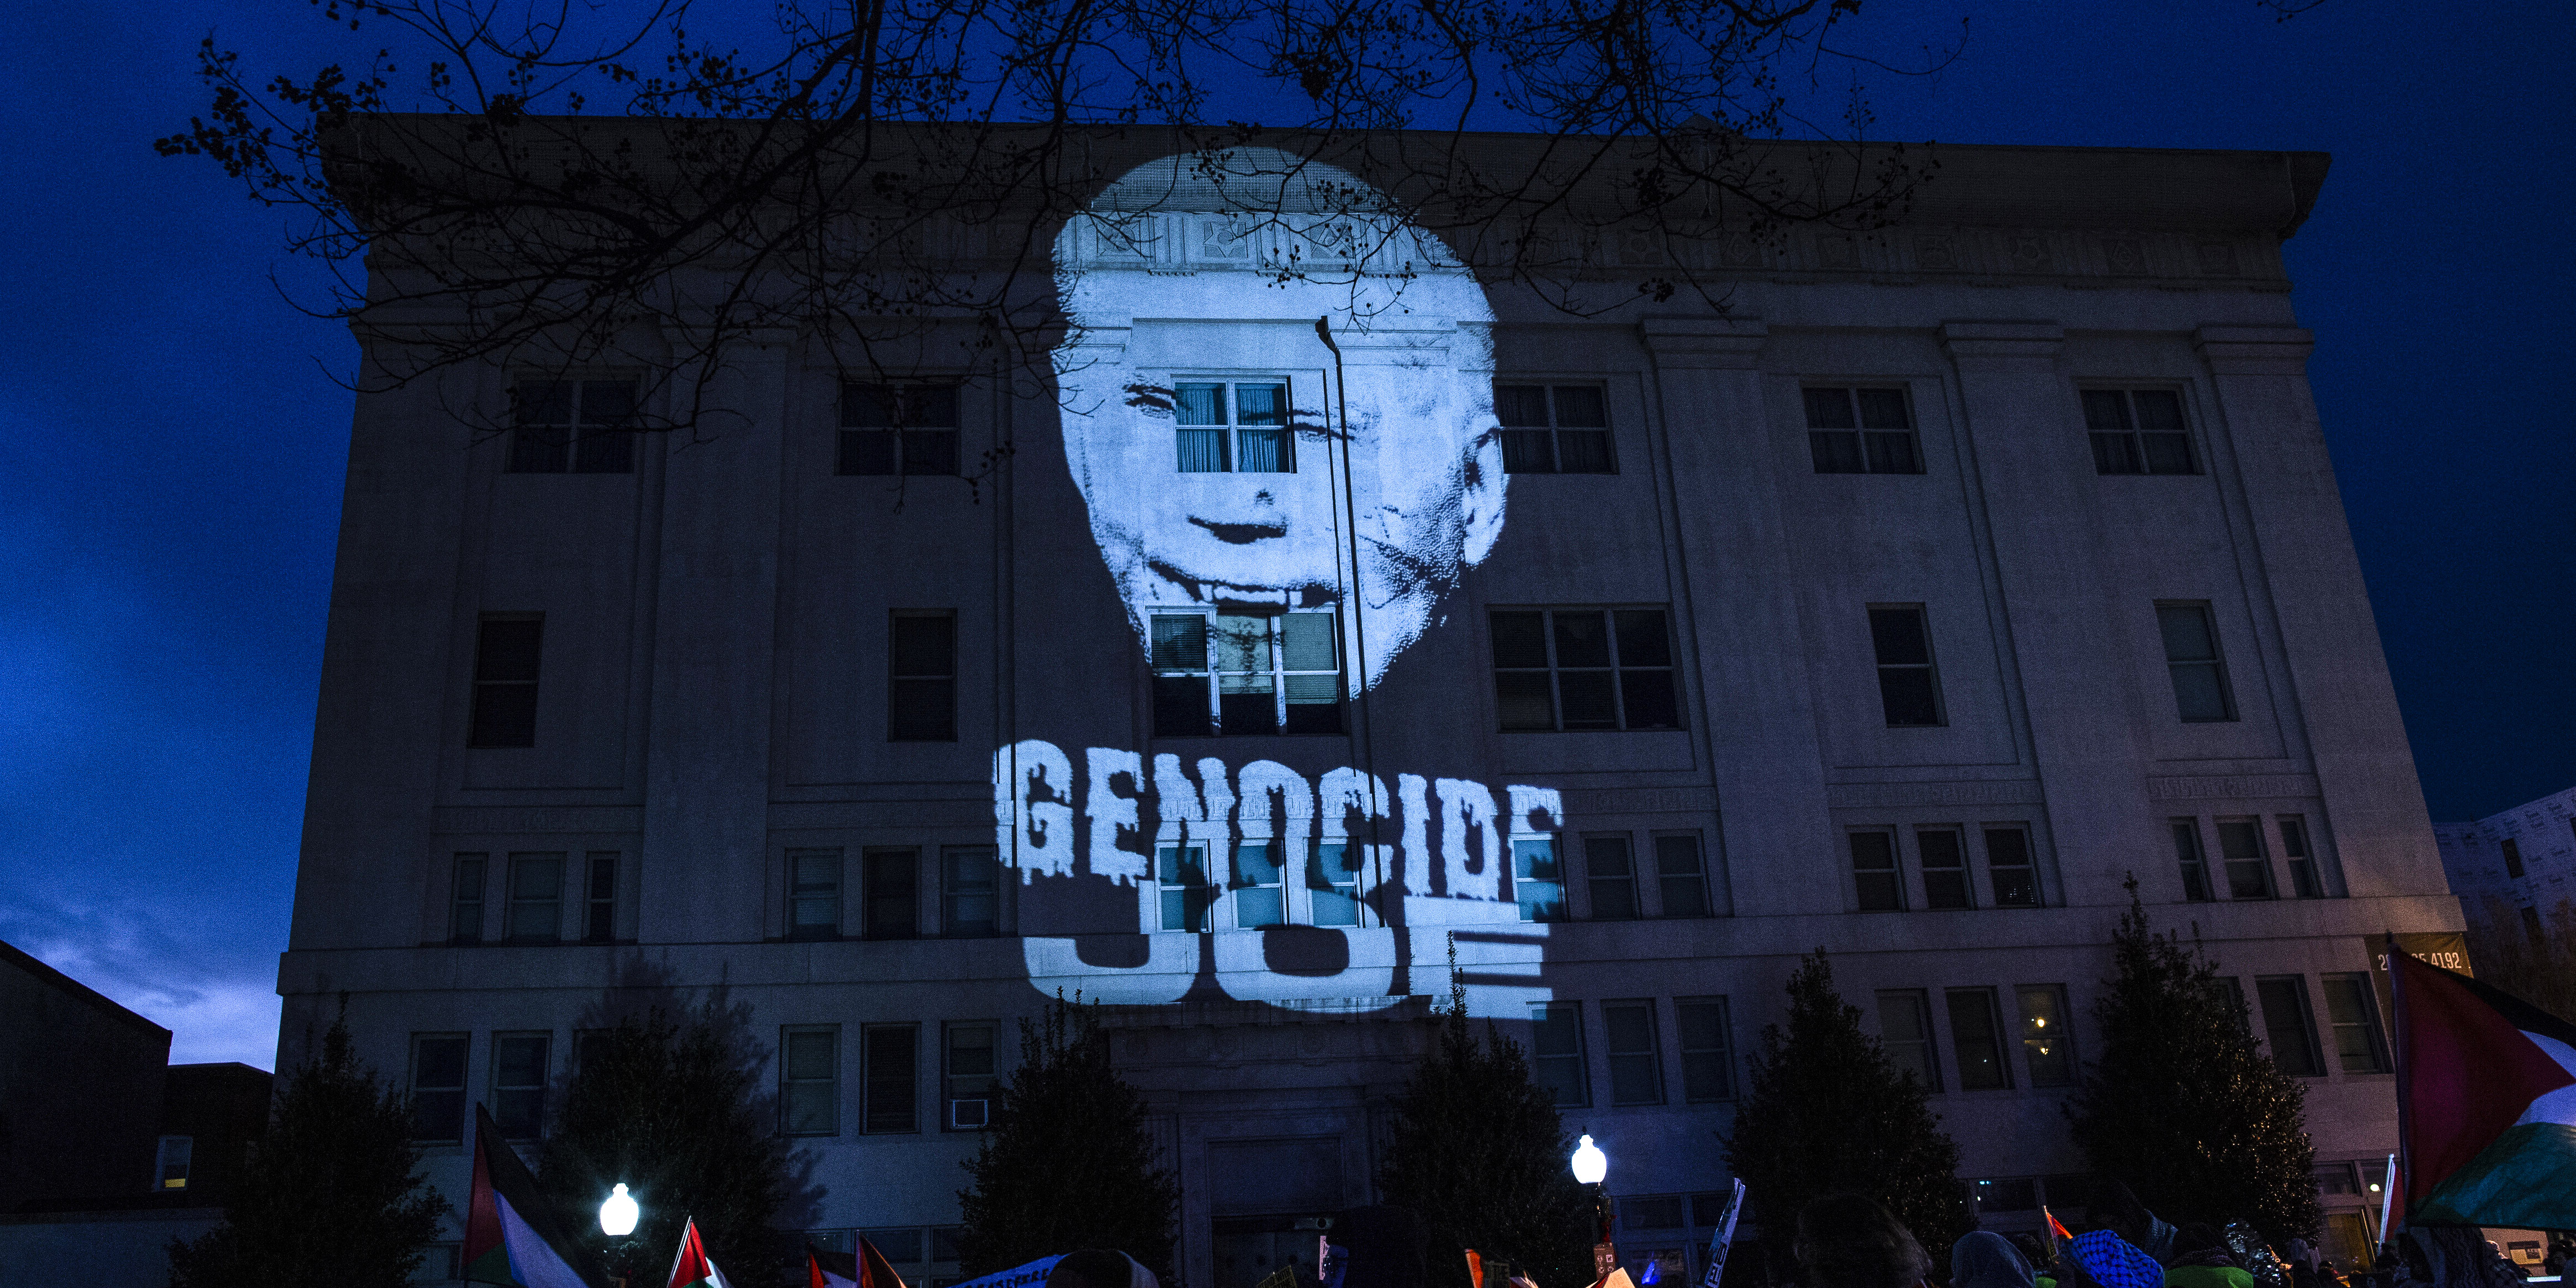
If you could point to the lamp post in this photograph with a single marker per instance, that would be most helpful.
(617, 1219)
(1592, 1167)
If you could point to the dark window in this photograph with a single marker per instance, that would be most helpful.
(889, 1053)
(1636, 1065)
(1241, 427)
(1584, 668)
(2009, 868)
(1708, 1057)
(465, 901)
(1554, 429)
(813, 894)
(1181, 875)
(1861, 431)
(2287, 1026)
(2249, 871)
(1332, 883)
(2138, 431)
(809, 1080)
(505, 682)
(171, 1162)
(535, 914)
(1612, 872)
(970, 893)
(891, 894)
(1873, 857)
(1556, 1050)
(600, 926)
(921, 677)
(519, 1084)
(2304, 879)
(1681, 880)
(1260, 898)
(898, 429)
(1977, 1040)
(1905, 1030)
(2201, 692)
(2195, 863)
(2512, 858)
(970, 1076)
(1243, 674)
(575, 426)
(1943, 860)
(2354, 1013)
(2047, 1042)
(438, 1086)
(1538, 882)
(1909, 691)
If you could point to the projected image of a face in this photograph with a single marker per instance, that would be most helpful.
(1205, 423)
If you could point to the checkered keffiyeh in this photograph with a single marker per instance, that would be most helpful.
(2114, 1262)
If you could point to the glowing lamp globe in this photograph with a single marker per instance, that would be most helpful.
(617, 1215)
(1590, 1164)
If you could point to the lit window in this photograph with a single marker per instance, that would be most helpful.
(1537, 884)
(2047, 1043)
(1332, 883)
(1181, 875)
(1234, 427)
(1242, 674)
(170, 1166)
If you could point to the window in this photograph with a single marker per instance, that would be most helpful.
(505, 682)
(814, 894)
(1943, 861)
(438, 1086)
(1238, 674)
(1861, 431)
(575, 426)
(898, 429)
(2354, 1013)
(970, 893)
(970, 1076)
(465, 901)
(2240, 844)
(2512, 858)
(1976, 1040)
(2018, 1195)
(535, 913)
(2047, 1042)
(1873, 856)
(2201, 694)
(1909, 691)
(2138, 431)
(1258, 897)
(1636, 1066)
(1181, 872)
(2287, 1026)
(1537, 884)
(1708, 1058)
(2194, 861)
(1554, 429)
(1556, 1049)
(1584, 668)
(921, 677)
(1680, 878)
(809, 1080)
(519, 1084)
(890, 893)
(1262, 441)
(2009, 868)
(170, 1162)
(1332, 883)
(1612, 877)
(887, 1051)
(600, 927)
(2336, 1180)
(1905, 1030)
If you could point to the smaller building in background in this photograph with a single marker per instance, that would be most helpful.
(2519, 864)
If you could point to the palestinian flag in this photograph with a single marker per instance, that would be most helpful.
(2486, 1094)
(692, 1269)
(510, 1234)
(869, 1269)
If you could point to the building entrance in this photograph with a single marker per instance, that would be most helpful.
(1250, 1249)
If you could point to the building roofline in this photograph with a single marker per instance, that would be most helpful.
(66, 984)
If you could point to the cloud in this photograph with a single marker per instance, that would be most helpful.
(214, 1009)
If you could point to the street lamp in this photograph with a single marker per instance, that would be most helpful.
(1591, 1167)
(617, 1215)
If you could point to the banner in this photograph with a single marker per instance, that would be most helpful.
(1027, 1276)
(2447, 949)
(1724, 1238)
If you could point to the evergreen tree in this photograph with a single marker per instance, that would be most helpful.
(1477, 1153)
(2181, 1104)
(1828, 1112)
(673, 1110)
(332, 1198)
(1068, 1162)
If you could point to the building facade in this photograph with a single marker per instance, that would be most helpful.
(1950, 577)
(2515, 863)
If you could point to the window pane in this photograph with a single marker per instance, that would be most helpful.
(2195, 868)
(1580, 407)
(2355, 1015)
(2199, 693)
(1537, 884)
(2105, 411)
(814, 894)
(1332, 884)
(1590, 702)
(1521, 404)
(2016, 884)
(1520, 639)
(1585, 451)
(1613, 878)
(1905, 1030)
(1707, 1063)
(2249, 873)
(1905, 695)
(1642, 638)
(930, 405)
(1306, 641)
(2285, 1024)
(542, 402)
(2186, 633)
(1892, 454)
(1261, 404)
(536, 897)
(1636, 1075)
(1835, 453)
(1830, 409)
(2045, 1039)
(1199, 404)
(1883, 409)
(2116, 454)
(2159, 410)
(971, 893)
(1262, 451)
(1524, 700)
(2168, 453)
(1975, 1042)
(1528, 451)
(1874, 871)
(867, 405)
(890, 1090)
(1944, 861)
(1180, 643)
(606, 451)
(1201, 451)
(1581, 639)
(1648, 700)
(1684, 885)
(1897, 636)
(1557, 1049)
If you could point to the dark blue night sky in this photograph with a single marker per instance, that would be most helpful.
(172, 444)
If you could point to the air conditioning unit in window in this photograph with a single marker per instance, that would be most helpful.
(969, 1114)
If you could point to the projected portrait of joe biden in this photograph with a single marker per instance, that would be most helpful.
(1273, 511)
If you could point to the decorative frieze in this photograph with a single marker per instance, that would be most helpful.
(2236, 786)
(1893, 795)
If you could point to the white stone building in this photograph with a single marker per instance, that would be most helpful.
(1953, 575)
(2523, 858)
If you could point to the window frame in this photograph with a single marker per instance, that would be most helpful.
(1919, 1003)
(2216, 662)
(1649, 1059)
(1170, 717)
(954, 891)
(464, 1077)
(586, 445)
(789, 1081)
(856, 437)
(599, 896)
(2069, 1070)
(1957, 889)
(1930, 666)
(501, 712)
(1864, 880)
(512, 900)
(1538, 867)
(2302, 1024)
(1982, 1003)
(830, 901)
(1171, 880)
(2028, 867)
(1857, 448)
(1700, 872)
(2257, 865)
(1323, 891)
(1518, 439)
(875, 899)
(934, 718)
(1723, 1053)
(1618, 670)
(1231, 443)
(952, 1079)
(1594, 881)
(459, 931)
(2373, 1037)
(511, 1100)
(1545, 1018)
(872, 1082)
(2191, 857)
(2132, 435)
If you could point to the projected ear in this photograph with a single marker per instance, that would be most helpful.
(1480, 473)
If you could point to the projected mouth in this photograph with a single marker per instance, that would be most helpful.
(1241, 534)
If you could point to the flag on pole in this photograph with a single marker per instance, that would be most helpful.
(1475, 1269)
(692, 1269)
(2486, 1098)
(2057, 1232)
(1724, 1239)
(830, 1269)
(510, 1235)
